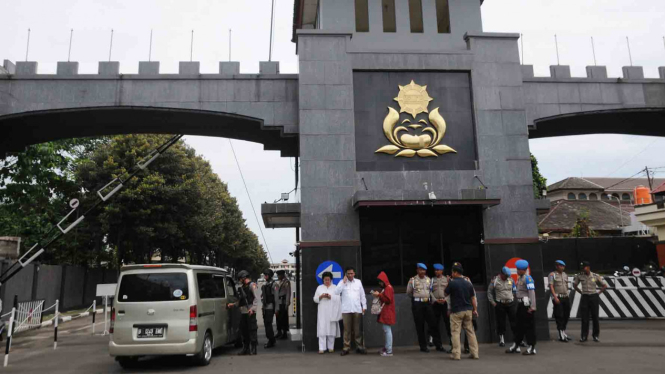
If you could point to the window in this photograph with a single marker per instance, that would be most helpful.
(416, 15)
(394, 240)
(593, 196)
(362, 16)
(582, 196)
(388, 10)
(153, 287)
(571, 196)
(230, 287)
(625, 197)
(442, 17)
(604, 196)
(210, 286)
(615, 196)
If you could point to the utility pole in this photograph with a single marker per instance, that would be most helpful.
(648, 178)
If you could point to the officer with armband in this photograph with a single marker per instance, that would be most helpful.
(526, 310)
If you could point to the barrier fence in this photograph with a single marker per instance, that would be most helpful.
(28, 315)
(625, 298)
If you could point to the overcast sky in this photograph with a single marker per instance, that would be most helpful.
(267, 175)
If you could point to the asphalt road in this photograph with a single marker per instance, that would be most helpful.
(626, 347)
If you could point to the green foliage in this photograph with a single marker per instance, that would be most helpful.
(582, 228)
(539, 182)
(177, 209)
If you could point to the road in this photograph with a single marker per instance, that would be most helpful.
(626, 347)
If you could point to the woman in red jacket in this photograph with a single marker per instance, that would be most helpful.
(387, 316)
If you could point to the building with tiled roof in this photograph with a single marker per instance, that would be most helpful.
(575, 188)
(604, 218)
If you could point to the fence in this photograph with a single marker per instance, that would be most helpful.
(625, 298)
(29, 315)
(73, 286)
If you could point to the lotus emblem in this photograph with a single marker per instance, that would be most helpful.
(410, 139)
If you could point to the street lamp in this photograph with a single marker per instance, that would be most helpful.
(620, 211)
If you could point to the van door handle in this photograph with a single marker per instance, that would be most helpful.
(121, 312)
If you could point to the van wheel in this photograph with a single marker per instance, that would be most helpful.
(127, 362)
(205, 355)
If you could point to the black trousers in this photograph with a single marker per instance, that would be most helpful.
(502, 311)
(589, 305)
(525, 327)
(248, 328)
(441, 310)
(423, 313)
(283, 319)
(268, 315)
(561, 313)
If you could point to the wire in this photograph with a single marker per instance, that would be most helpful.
(632, 158)
(629, 178)
(250, 201)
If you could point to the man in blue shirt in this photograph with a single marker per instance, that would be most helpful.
(463, 306)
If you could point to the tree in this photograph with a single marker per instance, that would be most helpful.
(582, 228)
(539, 182)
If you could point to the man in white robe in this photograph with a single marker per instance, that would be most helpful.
(328, 315)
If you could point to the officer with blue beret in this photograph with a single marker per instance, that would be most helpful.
(501, 295)
(558, 281)
(440, 301)
(526, 310)
(419, 289)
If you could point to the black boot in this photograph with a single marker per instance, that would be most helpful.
(502, 341)
(515, 348)
(245, 350)
(253, 349)
(284, 336)
(279, 334)
(269, 344)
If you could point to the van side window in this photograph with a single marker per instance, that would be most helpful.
(209, 286)
(230, 287)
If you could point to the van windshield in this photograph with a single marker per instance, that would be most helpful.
(153, 287)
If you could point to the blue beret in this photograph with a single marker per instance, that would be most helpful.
(421, 265)
(521, 265)
(506, 270)
(560, 262)
(438, 267)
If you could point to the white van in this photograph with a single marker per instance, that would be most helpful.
(172, 309)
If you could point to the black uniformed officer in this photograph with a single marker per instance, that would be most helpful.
(268, 306)
(248, 304)
(558, 281)
(590, 299)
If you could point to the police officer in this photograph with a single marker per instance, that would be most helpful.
(501, 294)
(526, 310)
(268, 306)
(558, 281)
(419, 289)
(440, 301)
(283, 300)
(590, 299)
(248, 304)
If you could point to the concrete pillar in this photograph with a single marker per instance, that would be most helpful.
(189, 68)
(148, 67)
(67, 68)
(661, 72)
(560, 71)
(229, 67)
(108, 68)
(633, 72)
(527, 71)
(596, 72)
(26, 67)
(268, 67)
(9, 67)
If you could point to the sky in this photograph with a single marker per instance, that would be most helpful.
(267, 175)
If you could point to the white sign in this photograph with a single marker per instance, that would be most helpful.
(107, 289)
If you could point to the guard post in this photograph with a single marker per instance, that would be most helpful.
(9, 335)
(55, 324)
(94, 313)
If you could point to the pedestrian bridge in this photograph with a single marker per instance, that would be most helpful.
(562, 105)
(36, 108)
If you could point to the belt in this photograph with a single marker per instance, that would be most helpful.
(504, 301)
(421, 299)
(562, 296)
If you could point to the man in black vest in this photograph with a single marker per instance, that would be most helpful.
(248, 304)
(268, 306)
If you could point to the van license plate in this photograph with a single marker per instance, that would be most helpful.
(150, 332)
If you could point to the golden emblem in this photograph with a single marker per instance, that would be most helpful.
(424, 142)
